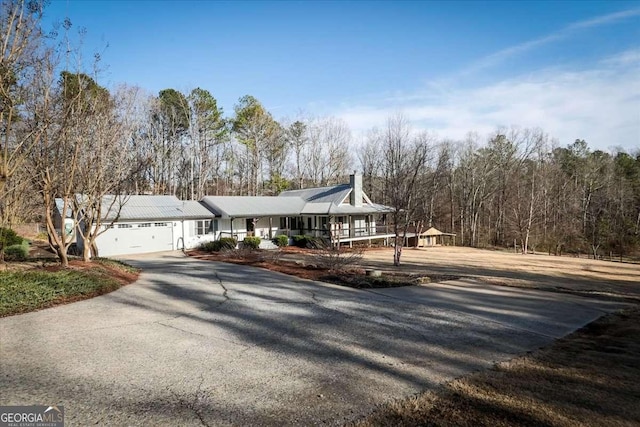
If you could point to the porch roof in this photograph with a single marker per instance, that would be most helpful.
(343, 209)
(253, 206)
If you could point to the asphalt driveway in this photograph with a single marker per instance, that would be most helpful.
(202, 343)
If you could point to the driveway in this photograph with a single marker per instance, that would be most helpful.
(203, 343)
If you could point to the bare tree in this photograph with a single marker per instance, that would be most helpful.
(327, 153)
(369, 154)
(24, 55)
(404, 157)
(106, 169)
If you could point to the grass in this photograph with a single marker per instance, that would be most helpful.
(591, 377)
(37, 288)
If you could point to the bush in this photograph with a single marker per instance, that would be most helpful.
(16, 252)
(281, 241)
(299, 241)
(224, 244)
(309, 242)
(337, 258)
(228, 243)
(8, 237)
(251, 242)
(210, 246)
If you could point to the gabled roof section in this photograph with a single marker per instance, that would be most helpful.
(60, 207)
(335, 194)
(333, 200)
(254, 206)
(435, 232)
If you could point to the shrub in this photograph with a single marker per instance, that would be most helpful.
(299, 241)
(309, 242)
(228, 243)
(8, 237)
(210, 246)
(337, 258)
(251, 242)
(281, 241)
(16, 252)
(225, 243)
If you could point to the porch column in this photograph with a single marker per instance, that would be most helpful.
(332, 231)
(352, 231)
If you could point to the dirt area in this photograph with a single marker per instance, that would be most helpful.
(562, 385)
(566, 274)
(41, 249)
(560, 274)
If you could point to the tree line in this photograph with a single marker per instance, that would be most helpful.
(515, 188)
(63, 134)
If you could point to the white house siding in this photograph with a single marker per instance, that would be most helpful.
(192, 239)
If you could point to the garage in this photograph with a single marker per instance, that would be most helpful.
(135, 238)
(138, 224)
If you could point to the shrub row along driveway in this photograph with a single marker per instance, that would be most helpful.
(202, 343)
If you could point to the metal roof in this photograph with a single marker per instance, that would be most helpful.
(343, 209)
(435, 232)
(253, 206)
(334, 194)
(60, 207)
(142, 207)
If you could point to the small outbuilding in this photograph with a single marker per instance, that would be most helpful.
(432, 237)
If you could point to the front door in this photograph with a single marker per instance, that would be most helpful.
(250, 227)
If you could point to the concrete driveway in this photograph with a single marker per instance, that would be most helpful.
(202, 343)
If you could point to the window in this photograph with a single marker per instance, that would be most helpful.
(203, 227)
(124, 225)
(144, 225)
(160, 224)
(295, 223)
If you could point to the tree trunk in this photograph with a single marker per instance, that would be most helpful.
(397, 246)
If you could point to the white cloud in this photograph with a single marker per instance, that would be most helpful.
(600, 105)
(563, 33)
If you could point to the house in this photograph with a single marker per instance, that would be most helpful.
(340, 214)
(65, 222)
(135, 224)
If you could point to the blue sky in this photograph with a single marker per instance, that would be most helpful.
(571, 68)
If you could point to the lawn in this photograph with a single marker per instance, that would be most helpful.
(591, 377)
(29, 286)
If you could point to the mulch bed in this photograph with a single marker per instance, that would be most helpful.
(351, 277)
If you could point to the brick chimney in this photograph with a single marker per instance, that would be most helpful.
(355, 180)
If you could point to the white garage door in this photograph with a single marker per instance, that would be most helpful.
(136, 238)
